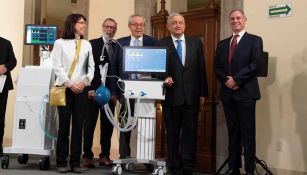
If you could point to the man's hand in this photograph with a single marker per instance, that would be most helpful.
(235, 87)
(230, 83)
(202, 100)
(114, 98)
(3, 69)
(169, 81)
(91, 95)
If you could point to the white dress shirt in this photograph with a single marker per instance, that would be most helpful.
(183, 44)
(62, 56)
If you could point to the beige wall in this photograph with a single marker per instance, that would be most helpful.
(282, 111)
(117, 9)
(12, 28)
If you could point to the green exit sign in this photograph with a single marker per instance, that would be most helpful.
(280, 10)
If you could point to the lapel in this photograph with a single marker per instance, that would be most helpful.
(240, 46)
(173, 50)
(188, 49)
(127, 41)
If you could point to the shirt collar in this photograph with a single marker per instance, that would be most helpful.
(182, 38)
(140, 39)
(240, 34)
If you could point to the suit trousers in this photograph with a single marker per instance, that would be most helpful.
(74, 111)
(124, 137)
(181, 121)
(3, 102)
(106, 129)
(240, 120)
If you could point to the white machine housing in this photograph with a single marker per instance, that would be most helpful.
(32, 95)
(145, 111)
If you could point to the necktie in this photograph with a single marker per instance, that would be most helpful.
(233, 46)
(179, 49)
(135, 43)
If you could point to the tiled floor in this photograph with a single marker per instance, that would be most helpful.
(32, 168)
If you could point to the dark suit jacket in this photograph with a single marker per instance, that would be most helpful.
(244, 67)
(125, 41)
(97, 45)
(7, 57)
(190, 80)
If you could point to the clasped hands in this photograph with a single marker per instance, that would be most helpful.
(77, 87)
(231, 84)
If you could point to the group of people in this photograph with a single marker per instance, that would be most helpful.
(236, 66)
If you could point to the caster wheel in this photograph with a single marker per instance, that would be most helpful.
(44, 163)
(129, 167)
(5, 161)
(159, 171)
(23, 158)
(117, 169)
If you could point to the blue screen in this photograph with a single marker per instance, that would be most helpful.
(40, 34)
(144, 60)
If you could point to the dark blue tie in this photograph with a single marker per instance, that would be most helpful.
(179, 49)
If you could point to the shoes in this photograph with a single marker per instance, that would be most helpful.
(76, 169)
(105, 161)
(88, 163)
(62, 169)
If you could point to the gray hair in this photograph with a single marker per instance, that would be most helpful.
(173, 15)
(109, 19)
(238, 10)
(130, 19)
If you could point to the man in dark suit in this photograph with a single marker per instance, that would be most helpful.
(136, 24)
(185, 92)
(236, 67)
(7, 64)
(109, 27)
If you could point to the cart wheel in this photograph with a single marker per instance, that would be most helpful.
(159, 171)
(5, 161)
(117, 169)
(44, 163)
(129, 167)
(23, 158)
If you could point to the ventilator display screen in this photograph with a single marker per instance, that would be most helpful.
(144, 60)
(40, 34)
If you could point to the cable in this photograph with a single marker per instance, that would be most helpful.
(41, 118)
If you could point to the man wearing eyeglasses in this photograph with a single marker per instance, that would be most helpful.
(109, 27)
(136, 24)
